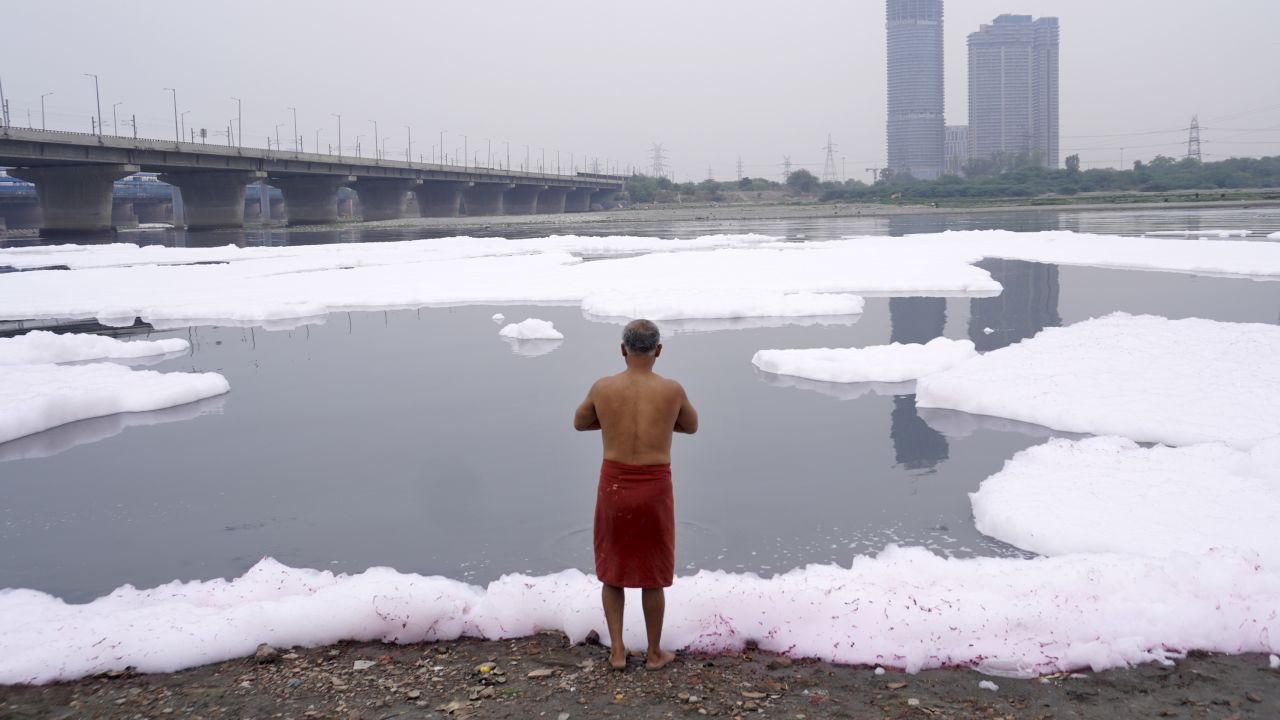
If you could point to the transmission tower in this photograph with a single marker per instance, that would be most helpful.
(659, 156)
(739, 167)
(829, 171)
(710, 175)
(786, 167)
(1193, 142)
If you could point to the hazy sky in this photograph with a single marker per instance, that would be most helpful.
(712, 81)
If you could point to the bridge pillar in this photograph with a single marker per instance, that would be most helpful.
(603, 198)
(74, 199)
(522, 200)
(311, 199)
(440, 198)
(122, 214)
(155, 211)
(213, 199)
(552, 200)
(578, 200)
(383, 198)
(485, 198)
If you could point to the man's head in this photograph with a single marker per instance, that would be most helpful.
(640, 339)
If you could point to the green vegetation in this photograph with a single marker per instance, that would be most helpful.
(1020, 178)
(1004, 177)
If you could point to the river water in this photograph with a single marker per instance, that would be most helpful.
(423, 441)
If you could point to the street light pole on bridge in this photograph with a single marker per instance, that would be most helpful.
(115, 127)
(98, 97)
(408, 151)
(42, 97)
(239, 120)
(339, 134)
(297, 139)
(177, 136)
(377, 154)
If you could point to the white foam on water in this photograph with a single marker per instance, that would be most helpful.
(1233, 258)
(891, 363)
(719, 303)
(261, 286)
(1109, 494)
(1202, 233)
(38, 397)
(1274, 236)
(905, 608)
(498, 318)
(64, 437)
(1150, 379)
(42, 346)
(532, 329)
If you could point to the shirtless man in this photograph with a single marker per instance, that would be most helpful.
(637, 410)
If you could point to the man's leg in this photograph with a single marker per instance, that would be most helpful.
(614, 600)
(654, 602)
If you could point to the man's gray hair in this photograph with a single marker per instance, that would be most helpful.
(641, 337)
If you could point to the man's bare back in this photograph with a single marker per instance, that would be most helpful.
(637, 410)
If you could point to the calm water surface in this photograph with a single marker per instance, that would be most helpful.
(423, 441)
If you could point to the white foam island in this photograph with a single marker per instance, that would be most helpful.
(42, 346)
(1109, 494)
(1202, 233)
(686, 304)
(531, 329)
(38, 397)
(498, 318)
(891, 363)
(904, 608)
(1274, 236)
(1147, 378)
(733, 274)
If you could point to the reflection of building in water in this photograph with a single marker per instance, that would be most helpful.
(915, 445)
(1028, 304)
(916, 319)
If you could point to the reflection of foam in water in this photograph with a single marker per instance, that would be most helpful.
(532, 348)
(957, 424)
(840, 391)
(64, 437)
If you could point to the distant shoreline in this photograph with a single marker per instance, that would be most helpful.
(703, 212)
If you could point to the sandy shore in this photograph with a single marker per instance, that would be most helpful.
(545, 677)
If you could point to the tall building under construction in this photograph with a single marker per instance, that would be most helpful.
(1013, 89)
(915, 126)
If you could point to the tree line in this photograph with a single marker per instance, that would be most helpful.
(1017, 176)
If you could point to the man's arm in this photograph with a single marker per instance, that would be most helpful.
(585, 418)
(687, 420)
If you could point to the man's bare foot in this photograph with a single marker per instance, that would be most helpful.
(618, 658)
(659, 660)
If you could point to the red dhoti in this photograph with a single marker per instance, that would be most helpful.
(635, 526)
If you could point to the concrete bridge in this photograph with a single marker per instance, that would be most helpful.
(74, 172)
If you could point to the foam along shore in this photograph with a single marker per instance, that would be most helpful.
(905, 608)
(893, 363)
(34, 398)
(1109, 494)
(42, 346)
(1147, 378)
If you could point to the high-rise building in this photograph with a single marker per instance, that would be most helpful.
(956, 149)
(915, 126)
(1013, 89)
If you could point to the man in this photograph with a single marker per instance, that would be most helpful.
(637, 410)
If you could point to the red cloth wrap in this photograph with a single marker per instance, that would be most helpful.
(635, 526)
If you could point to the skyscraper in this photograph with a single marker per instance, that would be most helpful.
(1013, 89)
(915, 126)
